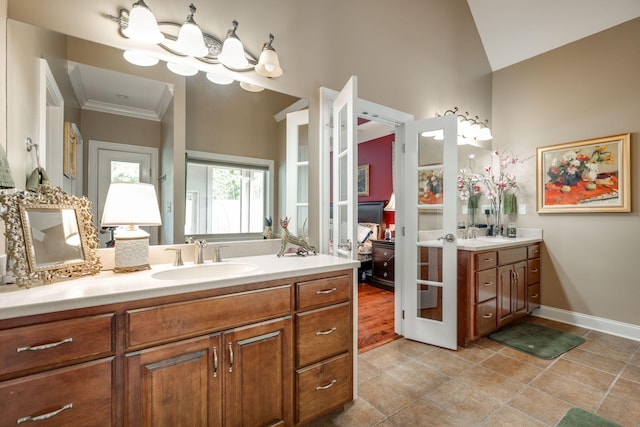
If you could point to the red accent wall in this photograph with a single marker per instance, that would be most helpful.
(377, 153)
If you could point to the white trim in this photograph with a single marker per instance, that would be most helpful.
(600, 324)
(300, 104)
(51, 106)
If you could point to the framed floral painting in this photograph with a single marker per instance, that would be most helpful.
(584, 176)
(430, 186)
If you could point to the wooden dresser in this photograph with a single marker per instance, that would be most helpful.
(383, 269)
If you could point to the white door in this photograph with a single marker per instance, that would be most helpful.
(297, 194)
(429, 248)
(113, 162)
(345, 163)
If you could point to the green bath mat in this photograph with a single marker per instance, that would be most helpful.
(537, 340)
(577, 417)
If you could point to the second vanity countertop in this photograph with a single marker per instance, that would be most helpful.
(108, 287)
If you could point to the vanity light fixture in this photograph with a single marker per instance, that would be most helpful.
(189, 49)
(129, 205)
(471, 130)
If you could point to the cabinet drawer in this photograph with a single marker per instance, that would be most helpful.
(486, 283)
(533, 271)
(55, 343)
(174, 321)
(325, 291)
(323, 387)
(71, 396)
(384, 270)
(486, 260)
(533, 251)
(509, 256)
(486, 316)
(533, 297)
(323, 333)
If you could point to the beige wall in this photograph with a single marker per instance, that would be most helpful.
(584, 90)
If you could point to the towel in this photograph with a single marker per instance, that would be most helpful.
(510, 204)
(37, 177)
(6, 178)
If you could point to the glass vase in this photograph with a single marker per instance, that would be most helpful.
(472, 211)
(497, 221)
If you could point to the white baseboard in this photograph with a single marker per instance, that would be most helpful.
(613, 327)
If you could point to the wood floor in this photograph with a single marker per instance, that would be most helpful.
(375, 317)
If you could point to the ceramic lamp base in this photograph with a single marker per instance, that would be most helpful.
(131, 254)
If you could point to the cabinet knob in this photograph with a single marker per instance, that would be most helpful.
(385, 263)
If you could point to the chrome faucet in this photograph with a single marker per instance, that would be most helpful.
(216, 253)
(200, 244)
(178, 259)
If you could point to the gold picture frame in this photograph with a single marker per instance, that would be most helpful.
(584, 176)
(363, 180)
(69, 150)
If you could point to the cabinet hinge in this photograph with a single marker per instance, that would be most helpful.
(402, 314)
(404, 147)
(403, 231)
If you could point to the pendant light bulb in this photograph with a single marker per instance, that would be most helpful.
(232, 54)
(269, 64)
(142, 24)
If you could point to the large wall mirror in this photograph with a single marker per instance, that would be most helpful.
(223, 119)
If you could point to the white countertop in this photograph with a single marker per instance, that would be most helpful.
(481, 243)
(108, 287)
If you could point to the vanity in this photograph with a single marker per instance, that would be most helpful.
(270, 346)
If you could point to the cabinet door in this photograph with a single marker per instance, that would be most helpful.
(174, 385)
(520, 287)
(505, 294)
(258, 381)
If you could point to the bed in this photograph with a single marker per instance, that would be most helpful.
(370, 227)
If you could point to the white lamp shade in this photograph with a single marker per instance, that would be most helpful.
(251, 87)
(391, 206)
(484, 134)
(143, 25)
(139, 58)
(269, 64)
(220, 77)
(190, 41)
(232, 54)
(131, 203)
(182, 69)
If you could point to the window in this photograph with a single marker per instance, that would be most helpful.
(227, 196)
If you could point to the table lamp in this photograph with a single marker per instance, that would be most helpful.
(129, 205)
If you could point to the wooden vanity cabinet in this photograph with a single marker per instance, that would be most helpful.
(274, 353)
(496, 287)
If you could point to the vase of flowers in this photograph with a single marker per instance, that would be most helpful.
(469, 189)
(576, 166)
(498, 181)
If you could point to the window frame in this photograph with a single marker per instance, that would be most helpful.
(203, 157)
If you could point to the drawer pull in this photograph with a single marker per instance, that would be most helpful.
(215, 362)
(487, 284)
(44, 346)
(45, 416)
(534, 270)
(326, 291)
(324, 387)
(488, 259)
(488, 316)
(327, 332)
(230, 357)
(535, 296)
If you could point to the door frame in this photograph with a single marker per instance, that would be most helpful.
(371, 111)
(94, 149)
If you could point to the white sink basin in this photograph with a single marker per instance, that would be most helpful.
(205, 271)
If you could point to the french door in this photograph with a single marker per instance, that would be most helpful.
(429, 248)
(345, 163)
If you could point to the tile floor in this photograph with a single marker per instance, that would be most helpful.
(405, 383)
